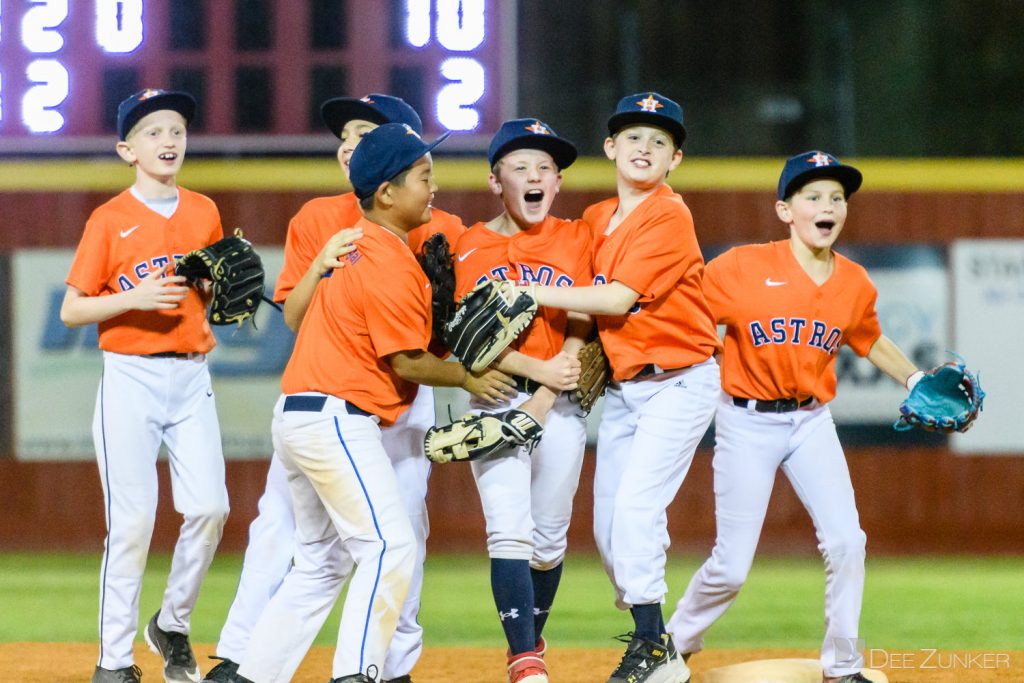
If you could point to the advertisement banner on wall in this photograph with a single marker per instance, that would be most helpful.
(989, 312)
(57, 369)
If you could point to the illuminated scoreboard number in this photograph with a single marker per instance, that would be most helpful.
(117, 27)
(459, 27)
(259, 68)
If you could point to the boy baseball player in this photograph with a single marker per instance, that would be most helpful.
(660, 339)
(527, 493)
(787, 306)
(315, 245)
(360, 353)
(155, 385)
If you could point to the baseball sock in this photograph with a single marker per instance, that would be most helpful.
(646, 619)
(513, 596)
(545, 584)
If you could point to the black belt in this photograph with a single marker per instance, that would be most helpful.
(652, 369)
(171, 354)
(525, 385)
(314, 404)
(779, 405)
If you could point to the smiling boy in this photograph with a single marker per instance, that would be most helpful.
(155, 385)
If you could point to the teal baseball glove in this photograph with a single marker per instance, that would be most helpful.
(946, 399)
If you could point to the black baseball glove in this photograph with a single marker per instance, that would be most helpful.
(437, 263)
(236, 274)
(487, 321)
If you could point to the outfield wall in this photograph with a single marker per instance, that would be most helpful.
(913, 497)
(911, 500)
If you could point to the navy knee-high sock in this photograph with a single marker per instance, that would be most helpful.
(545, 585)
(513, 596)
(646, 620)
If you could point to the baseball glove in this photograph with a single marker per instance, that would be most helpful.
(487, 321)
(594, 375)
(436, 262)
(946, 399)
(236, 274)
(478, 436)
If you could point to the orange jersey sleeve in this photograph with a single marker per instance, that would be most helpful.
(440, 221)
(782, 329)
(315, 223)
(124, 240)
(556, 252)
(654, 251)
(377, 305)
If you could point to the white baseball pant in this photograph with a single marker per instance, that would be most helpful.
(346, 501)
(141, 402)
(749, 449)
(268, 556)
(649, 431)
(527, 498)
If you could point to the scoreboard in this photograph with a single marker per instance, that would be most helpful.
(259, 68)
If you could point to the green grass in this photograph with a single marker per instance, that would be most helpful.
(933, 602)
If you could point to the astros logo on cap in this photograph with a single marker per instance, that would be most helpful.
(409, 130)
(538, 128)
(819, 159)
(366, 99)
(650, 104)
(147, 93)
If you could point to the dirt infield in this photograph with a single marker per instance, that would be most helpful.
(67, 662)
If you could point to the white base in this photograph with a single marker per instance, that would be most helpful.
(776, 671)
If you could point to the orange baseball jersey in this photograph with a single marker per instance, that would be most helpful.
(377, 305)
(654, 252)
(319, 219)
(782, 329)
(556, 252)
(124, 241)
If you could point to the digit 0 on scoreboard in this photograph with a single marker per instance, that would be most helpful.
(259, 68)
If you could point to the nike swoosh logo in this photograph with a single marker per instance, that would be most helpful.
(772, 283)
(463, 257)
(125, 233)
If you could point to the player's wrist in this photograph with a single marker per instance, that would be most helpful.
(913, 379)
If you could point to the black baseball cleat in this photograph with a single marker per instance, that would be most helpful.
(223, 672)
(646, 661)
(179, 662)
(401, 679)
(354, 678)
(129, 674)
(849, 678)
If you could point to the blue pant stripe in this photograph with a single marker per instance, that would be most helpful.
(106, 541)
(384, 544)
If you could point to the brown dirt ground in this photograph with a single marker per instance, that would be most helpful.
(66, 662)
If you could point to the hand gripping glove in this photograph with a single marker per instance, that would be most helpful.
(487, 321)
(478, 436)
(946, 399)
(436, 262)
(236, 274)
(594, 375)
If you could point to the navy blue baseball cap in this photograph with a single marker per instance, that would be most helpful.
(531, 134)
(375, 107)
(650, 109)
(385, 152)
(803, 168)
(147, 101)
